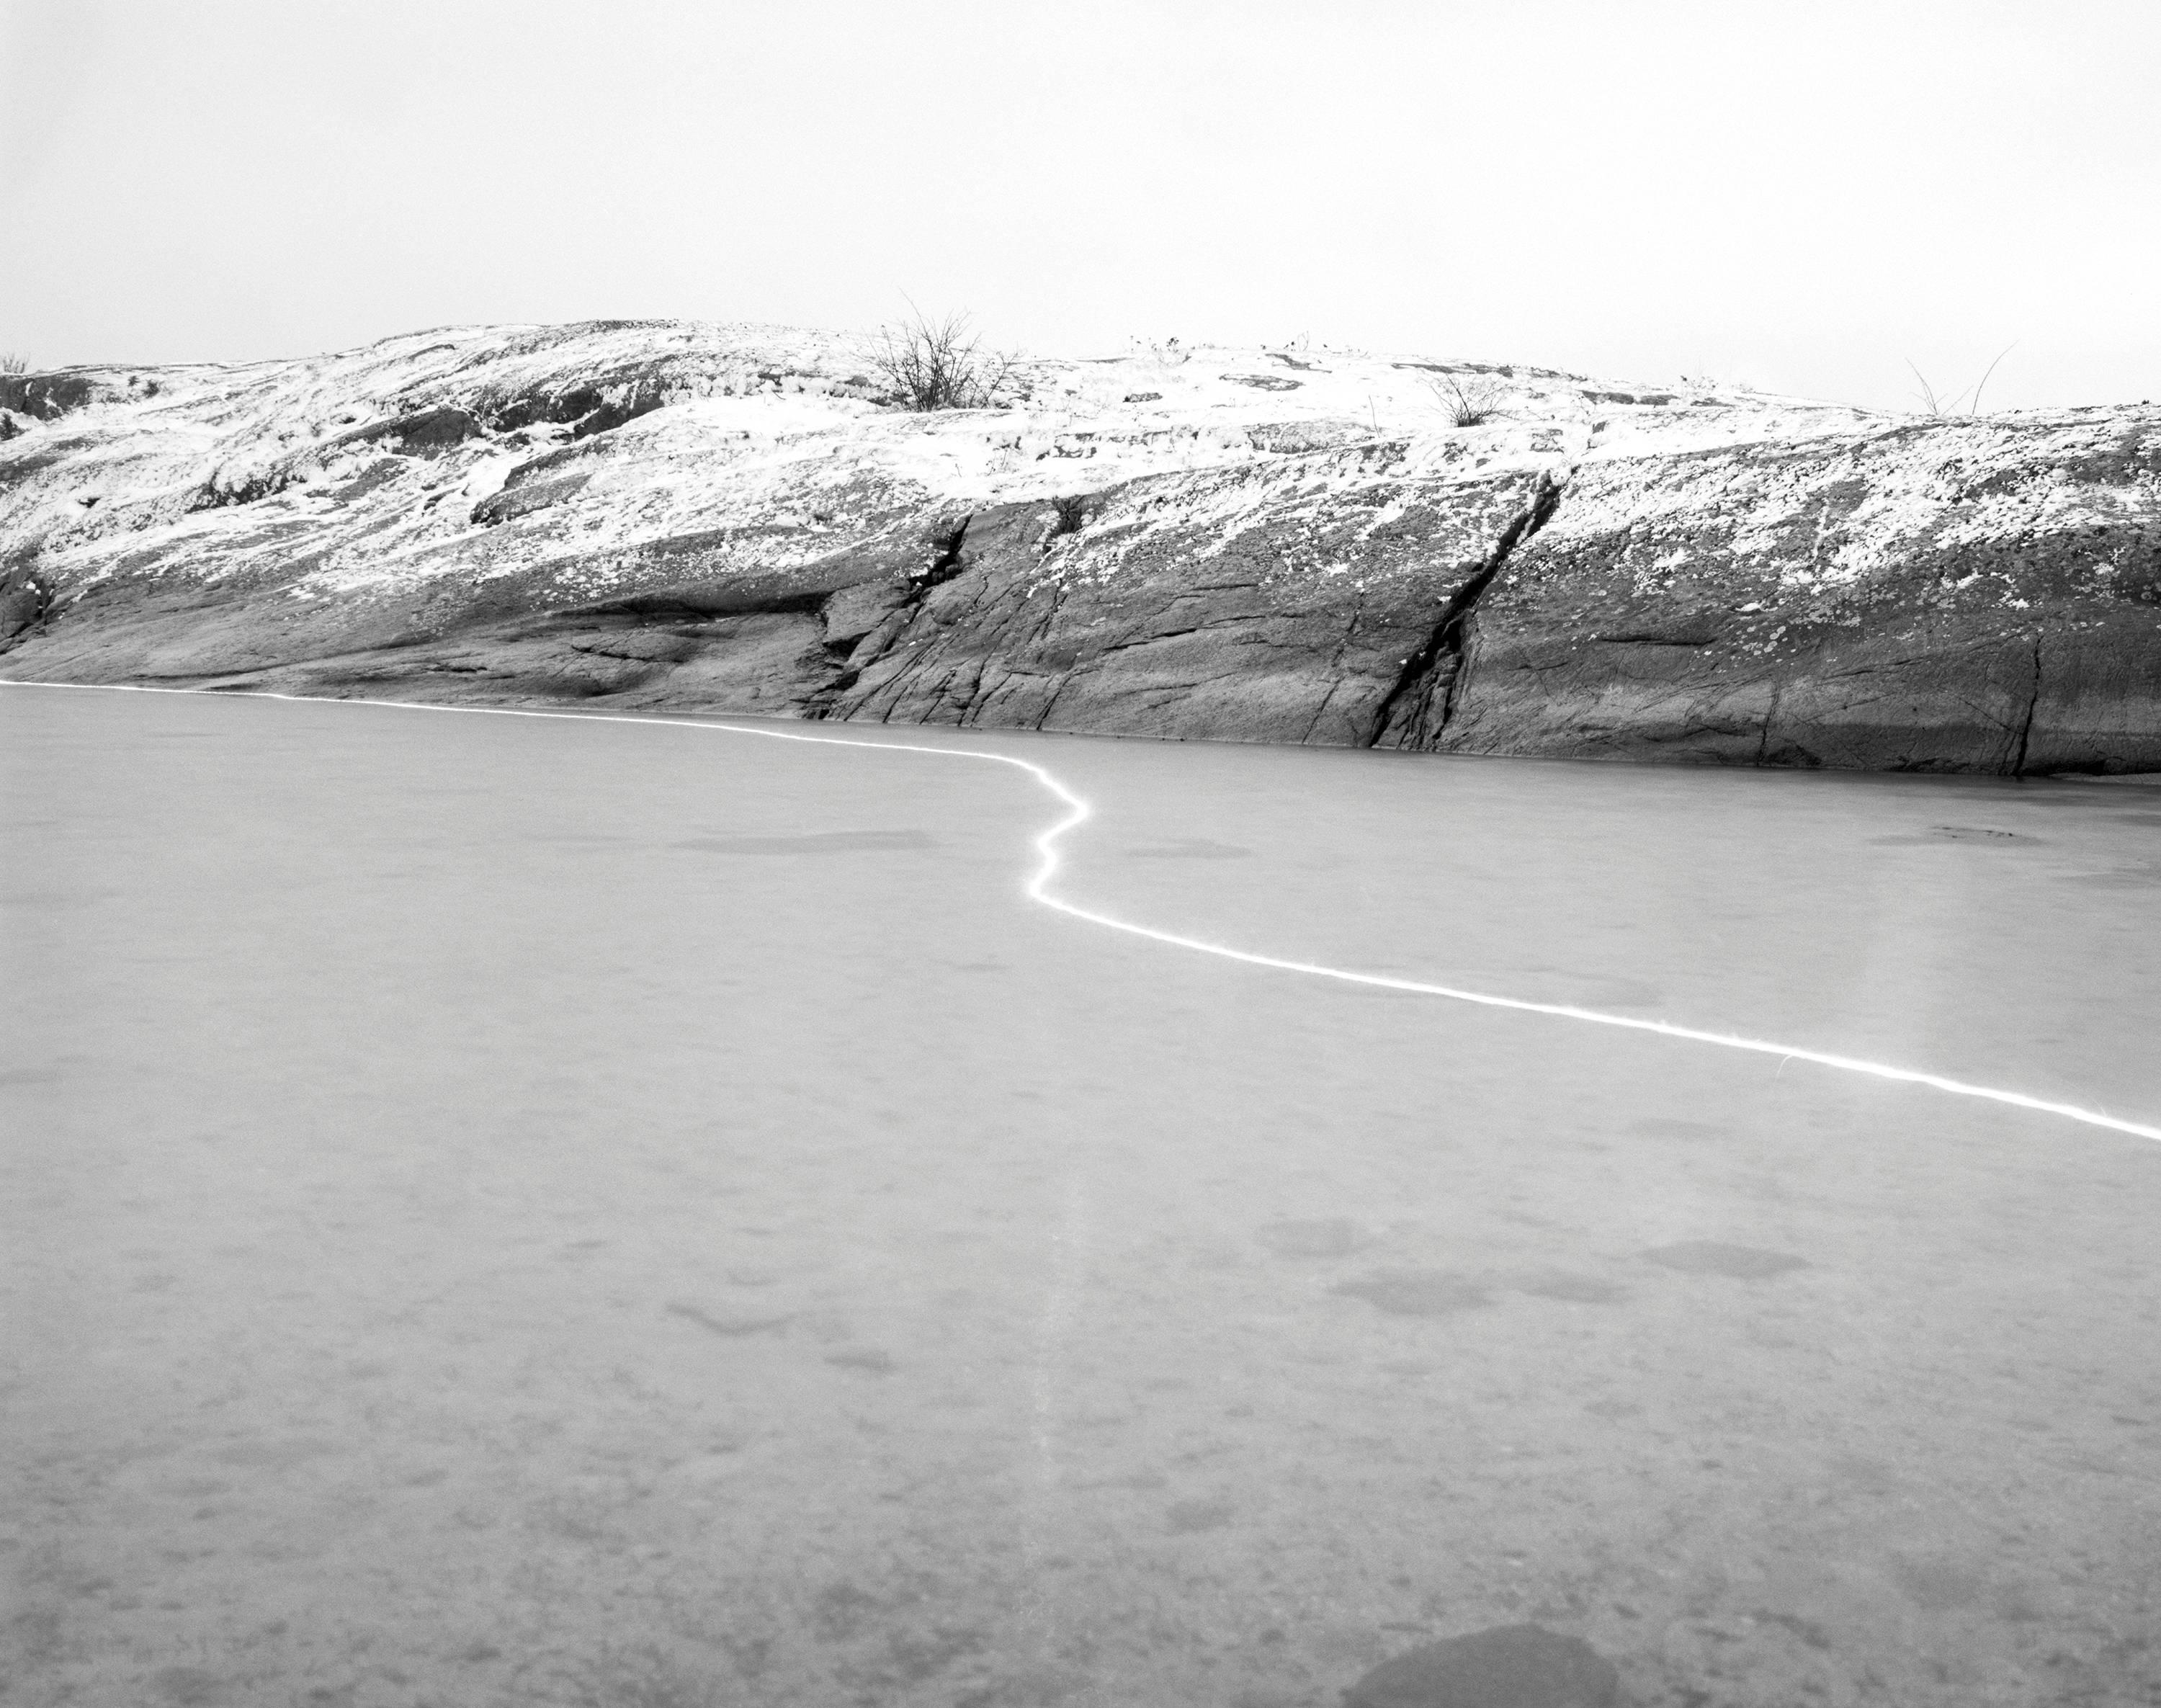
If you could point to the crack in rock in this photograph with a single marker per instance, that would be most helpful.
(1405, 715)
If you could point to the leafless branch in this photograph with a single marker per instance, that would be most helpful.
(2000, 355)
(1933, 404)
(1930, 402)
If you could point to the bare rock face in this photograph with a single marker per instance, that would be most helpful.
(730, 519)
(1211, 606)
(1509, 1666)
(1955, 596)
(23, 600)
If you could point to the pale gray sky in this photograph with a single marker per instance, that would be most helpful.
(1799, 195)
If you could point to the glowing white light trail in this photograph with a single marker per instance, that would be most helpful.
(1077, 812)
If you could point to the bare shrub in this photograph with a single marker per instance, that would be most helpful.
(11, 362)
(1934, 404)
(1467, 406)
(938, 364)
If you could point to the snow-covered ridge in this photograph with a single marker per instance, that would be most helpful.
(1270, 544)
(643, 429)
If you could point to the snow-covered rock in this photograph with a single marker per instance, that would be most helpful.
(1264, 544)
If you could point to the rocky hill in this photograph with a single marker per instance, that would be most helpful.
(1282, 545)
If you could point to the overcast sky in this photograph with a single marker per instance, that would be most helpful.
(1802, 196)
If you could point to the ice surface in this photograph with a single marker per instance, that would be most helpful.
(500, 1209)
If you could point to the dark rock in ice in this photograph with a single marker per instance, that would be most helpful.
(1191, 848)
(1657, 1126)
(1509, 1666)
(1187, 1517)
(1332, 1238)
(1576, 1289)
(185, 1686)
(735, 1327)
(1416, 1292)
(1981, 836)
(1717, 1258)
(813, 842)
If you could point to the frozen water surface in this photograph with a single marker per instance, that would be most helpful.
(502, 1211)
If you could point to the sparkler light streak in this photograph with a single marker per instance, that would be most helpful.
(1077, 813)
